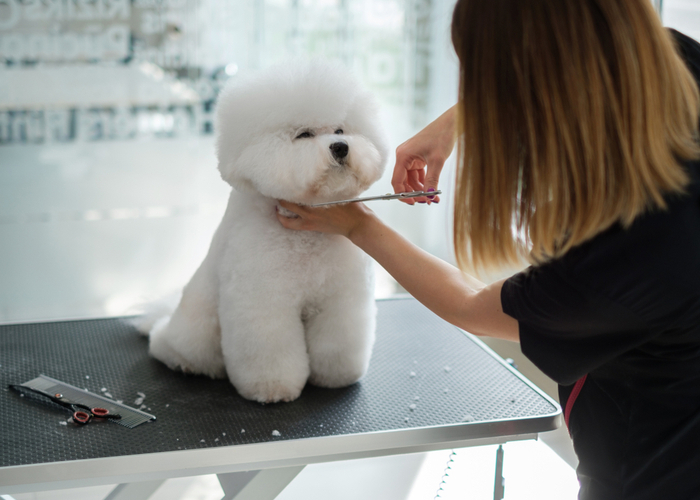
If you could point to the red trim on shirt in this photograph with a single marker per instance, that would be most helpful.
(572, 398)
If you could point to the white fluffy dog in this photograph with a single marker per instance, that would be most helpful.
(269, 307)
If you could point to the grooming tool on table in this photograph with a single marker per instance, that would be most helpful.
(82, 414)
(84, 404)
(388, 196)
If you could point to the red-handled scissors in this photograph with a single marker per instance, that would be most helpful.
(82, 414)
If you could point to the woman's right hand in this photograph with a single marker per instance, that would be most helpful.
(420, 159)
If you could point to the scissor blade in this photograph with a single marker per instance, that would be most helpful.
(388, 196)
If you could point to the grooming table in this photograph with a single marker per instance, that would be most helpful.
(430, 386)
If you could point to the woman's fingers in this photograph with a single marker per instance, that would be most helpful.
(432, 177)
(424, 179)
(408, 175)
(337, 219)
(401, 178)
(294, 221)
(419, 160)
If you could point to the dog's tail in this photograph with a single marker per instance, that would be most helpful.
(154, 314)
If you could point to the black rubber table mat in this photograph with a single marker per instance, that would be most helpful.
(423, 372)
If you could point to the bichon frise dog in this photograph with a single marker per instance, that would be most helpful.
(269, 307)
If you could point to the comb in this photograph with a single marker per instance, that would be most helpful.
(130, 417)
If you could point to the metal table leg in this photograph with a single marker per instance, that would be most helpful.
(257, 485)
(499, 483)
(135, 491)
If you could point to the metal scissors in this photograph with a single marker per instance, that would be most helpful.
(388, 196)
(82, 414)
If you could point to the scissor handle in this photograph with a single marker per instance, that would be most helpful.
(100, 412)
(105, 413)
(81, 417)
(82, 414)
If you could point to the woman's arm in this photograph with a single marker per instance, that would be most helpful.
(451, 294)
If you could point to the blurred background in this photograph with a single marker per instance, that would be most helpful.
(109, 192)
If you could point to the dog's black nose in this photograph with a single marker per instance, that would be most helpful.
(339, 150)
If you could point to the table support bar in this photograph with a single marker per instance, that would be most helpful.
(135, 491)
(257, 485)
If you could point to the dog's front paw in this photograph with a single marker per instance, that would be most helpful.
(270, 391)
(175, 361)
(335, 379)
(333, 372)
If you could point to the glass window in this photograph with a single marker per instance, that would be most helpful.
(683, 15)
(109, 192)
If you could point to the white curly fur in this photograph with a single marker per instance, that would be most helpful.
(269, 307)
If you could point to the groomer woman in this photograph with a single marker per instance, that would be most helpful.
(577, 140)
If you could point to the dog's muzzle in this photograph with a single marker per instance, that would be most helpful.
(339, 150)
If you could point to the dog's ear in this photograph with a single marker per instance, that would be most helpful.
(227, 170)
(364, 116)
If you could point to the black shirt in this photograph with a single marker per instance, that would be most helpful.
(624, 310)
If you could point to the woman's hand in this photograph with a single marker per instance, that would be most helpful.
(447, 291)
(336, 219)
(420, 159)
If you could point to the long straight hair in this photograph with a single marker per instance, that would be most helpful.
(573, 115)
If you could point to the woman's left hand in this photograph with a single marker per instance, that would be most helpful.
(337, 219)
(446, 290)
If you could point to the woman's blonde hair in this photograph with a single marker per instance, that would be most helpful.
(573, 115)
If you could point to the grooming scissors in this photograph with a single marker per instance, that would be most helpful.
(82, 414)
(388, 196)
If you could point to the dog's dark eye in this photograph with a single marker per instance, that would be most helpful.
(339, 131)
(305, 135)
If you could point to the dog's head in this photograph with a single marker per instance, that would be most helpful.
(301, 132)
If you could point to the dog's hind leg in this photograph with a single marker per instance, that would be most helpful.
(190, 340)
